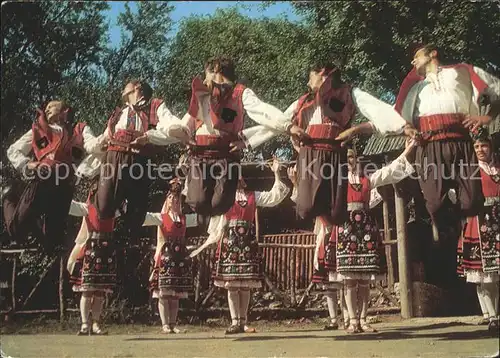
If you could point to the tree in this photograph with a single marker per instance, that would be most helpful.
(44, 45)
(371, 40)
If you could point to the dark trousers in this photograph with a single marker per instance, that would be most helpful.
(322, 184)
(41, 209)
(212, 185)
(443, 165)
(124, 176)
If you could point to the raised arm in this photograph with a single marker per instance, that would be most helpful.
(278, 192)
(393, 173)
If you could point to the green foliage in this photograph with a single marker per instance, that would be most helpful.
(44, 44)
(372, 39)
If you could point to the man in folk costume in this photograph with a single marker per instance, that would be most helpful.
(442, 103)
(171, 278)
(133, 139)
(479, 248)
(215, 120)
(238, 263)
(57, 143)
(325, 114)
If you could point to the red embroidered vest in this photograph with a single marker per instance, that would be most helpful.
(359, 193)
(226, 111)
(244, 211)
(490, 184)
(95, 224)
(337, 107)
(50, 146)
(170, 228)
(122, 137)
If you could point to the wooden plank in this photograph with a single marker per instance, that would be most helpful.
(291, 266)
(13, 288)
(388, 248)
(405, 286)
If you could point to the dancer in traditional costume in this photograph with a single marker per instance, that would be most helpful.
(172, 277)
(238, 262)
(351, 253)
(215, 120)
(479, 250)
(441, 102)
(57, 143)
(133, 139)
(92, 262)
(359, 253)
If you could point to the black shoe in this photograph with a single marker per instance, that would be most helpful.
(331, 327)
(234, 330)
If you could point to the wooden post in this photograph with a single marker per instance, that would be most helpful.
(257, 225)
(292, 285)
(14, 269)
(388, 248)
(197, 287)
(405, 285)
(62, 306)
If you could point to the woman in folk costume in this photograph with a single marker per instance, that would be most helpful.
(172, 277)
(238, 262)
(352, 254)
(479, 250)
(92, 262)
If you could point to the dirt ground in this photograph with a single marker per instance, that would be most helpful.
(419, 337)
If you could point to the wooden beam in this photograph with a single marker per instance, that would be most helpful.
(13, 288)
(388, 248)
(405, 285)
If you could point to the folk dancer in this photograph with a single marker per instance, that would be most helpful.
(442, 102)
(238, 263)
(479, 250)
(171, 278)
(215, 120)
(57, 143)
(132, 140)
